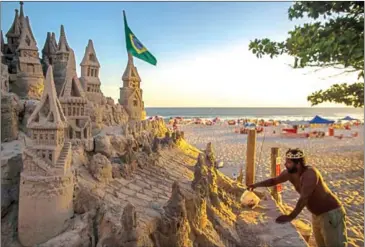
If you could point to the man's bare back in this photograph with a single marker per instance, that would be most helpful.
(321, 199)
(328, 215)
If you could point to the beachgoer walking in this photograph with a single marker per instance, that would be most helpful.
(328, 214)
(174, 126)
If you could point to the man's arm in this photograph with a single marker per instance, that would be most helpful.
(309, 181)
(283, 177)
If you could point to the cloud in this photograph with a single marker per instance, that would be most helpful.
(228, 76)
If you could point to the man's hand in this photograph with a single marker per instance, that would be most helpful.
(251, 187)
(283, 219)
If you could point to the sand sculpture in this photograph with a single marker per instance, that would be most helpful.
(9, 102)
(61, 60)
(21, 55)
(49, 51)
(131, 92)
(46, 182)
(111, 179)
(89, 79)
(73, 102)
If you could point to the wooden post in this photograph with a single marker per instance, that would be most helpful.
(250, 157)
(275, 171)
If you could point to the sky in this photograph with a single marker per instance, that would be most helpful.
(201, 49)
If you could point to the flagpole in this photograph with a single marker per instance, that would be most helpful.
(130, 57)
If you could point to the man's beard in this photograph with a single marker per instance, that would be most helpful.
(292, 170)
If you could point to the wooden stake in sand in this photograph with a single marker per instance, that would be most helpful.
(275, 171)
(250, 157)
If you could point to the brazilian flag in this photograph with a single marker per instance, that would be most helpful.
(135, 47)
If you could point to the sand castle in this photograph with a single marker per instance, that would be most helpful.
(89, 79)
(131, 92)
(73, 102)
(46, 182)
(95, 173)
(21, 55)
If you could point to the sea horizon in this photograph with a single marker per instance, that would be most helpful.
(266, 113)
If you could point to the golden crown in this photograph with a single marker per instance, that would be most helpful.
(298, 155)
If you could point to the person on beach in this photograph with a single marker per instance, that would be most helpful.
(174, 126)
(328, 214)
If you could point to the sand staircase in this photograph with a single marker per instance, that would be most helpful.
(40, 163)
(65, 152)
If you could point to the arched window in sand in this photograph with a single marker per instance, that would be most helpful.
(135, 101)
(70, 133)
(51, 118)
(88, 71)
(85, 132)
(92, 57)
(36, 119)
(27, 40)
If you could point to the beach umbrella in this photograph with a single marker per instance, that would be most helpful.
(348, 118)
(319, 120)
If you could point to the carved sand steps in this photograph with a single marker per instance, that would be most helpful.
(40, 162)
(148, 190)
(64, 153)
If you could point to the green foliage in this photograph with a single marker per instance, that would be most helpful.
(350, 95)
(338, 40)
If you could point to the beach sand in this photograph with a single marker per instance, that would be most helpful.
(341, 163)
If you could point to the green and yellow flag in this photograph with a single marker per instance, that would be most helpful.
(135, 47)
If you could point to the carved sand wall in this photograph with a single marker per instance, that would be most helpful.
(44, 208)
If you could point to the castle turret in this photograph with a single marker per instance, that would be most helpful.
(13, 34)
(46, 182)
(54, 41)
(60, 63)
(48, 52)
(28, 82)
(73, 102)
(89, 79)
(131, 92)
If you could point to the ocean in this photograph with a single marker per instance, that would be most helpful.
(283, 114)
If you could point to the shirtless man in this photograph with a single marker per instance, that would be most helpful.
(328, 215)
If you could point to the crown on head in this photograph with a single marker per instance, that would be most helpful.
(299, 154)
